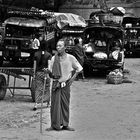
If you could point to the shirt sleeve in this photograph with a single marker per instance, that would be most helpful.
(76, 65)
(50, 65)
(38, 42)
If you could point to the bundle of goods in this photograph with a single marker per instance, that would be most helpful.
(100, 55)
(106, 17)
(115, 77)
(118, 13)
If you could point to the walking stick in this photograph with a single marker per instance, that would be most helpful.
(45, 79)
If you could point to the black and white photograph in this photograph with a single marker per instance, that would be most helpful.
(69, 69)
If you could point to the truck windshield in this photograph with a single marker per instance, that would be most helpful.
(20, 32)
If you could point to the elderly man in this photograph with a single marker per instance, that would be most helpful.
(61, 68)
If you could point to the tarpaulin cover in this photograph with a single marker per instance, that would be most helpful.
(69, 19)
(25, 22)
(117, 10)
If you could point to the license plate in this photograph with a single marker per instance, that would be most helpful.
(23, 54)
(12, 47)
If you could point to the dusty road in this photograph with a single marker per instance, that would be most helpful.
(99, 111)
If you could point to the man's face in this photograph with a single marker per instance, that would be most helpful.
(60, 46)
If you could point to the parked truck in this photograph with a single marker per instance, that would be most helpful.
(21, 26)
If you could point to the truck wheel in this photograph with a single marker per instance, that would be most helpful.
(2, 86)
(1, 61)
(33, 85)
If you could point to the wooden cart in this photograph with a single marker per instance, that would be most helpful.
(6, 72)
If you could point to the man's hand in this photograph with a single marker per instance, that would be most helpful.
(71, 81)
(73, 78)
(47, 70)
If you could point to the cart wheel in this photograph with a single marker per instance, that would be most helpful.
(33, 90)
(2, 88)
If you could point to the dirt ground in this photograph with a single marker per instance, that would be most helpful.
(99, 111)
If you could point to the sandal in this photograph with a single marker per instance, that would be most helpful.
(51, 129)
(68, 128)
(35, 108)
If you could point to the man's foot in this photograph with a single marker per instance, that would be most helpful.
(68, 128)
(51, 129)
(35, 108)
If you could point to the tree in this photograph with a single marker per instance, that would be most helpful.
(41, 4)
(57, 4)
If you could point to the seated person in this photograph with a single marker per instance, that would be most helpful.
(92, 44)
(115, 54)
(36, 42)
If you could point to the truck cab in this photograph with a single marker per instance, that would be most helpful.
(20, 29)
(103, 44)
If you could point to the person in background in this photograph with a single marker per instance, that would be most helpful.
(42, 55)
(60, 70)
(36, 47)
(45, 55)
(115, 54)
(36, 42)
(78, 52)
(43, 58)
(91, 43)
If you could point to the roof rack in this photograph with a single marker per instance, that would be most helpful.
(33, 12)
(105, 19)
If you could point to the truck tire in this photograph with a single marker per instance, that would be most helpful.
(2, 86)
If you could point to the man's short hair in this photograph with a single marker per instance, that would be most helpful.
(63, 40)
